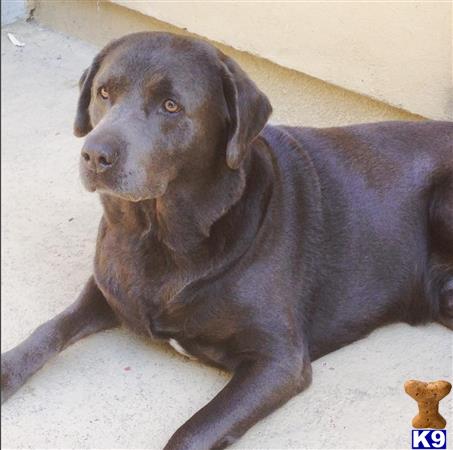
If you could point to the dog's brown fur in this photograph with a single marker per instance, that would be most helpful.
(258, 248)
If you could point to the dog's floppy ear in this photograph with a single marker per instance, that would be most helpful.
(248, 110)
(82, 124)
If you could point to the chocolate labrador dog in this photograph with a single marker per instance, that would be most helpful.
(251, 247)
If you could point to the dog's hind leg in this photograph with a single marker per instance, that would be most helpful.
(88, 314)
(441, 239)
(446, 305)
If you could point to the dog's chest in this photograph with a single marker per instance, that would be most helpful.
(141, 301)
(157, 310)
(147, 294)
(137, 284)
(154, 299)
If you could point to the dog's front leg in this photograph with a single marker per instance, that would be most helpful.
(88, 314)
(256, 389)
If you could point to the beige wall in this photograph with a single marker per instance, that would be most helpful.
(398, 52)
(297, 98)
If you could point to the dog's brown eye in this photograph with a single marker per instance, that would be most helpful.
(171, 106)
(103, 93)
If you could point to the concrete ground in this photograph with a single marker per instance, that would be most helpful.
(113, 390)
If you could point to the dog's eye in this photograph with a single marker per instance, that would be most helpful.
(171, 106)
(103, 93)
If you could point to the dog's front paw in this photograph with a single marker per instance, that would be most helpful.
(9, 380)
(182, 440)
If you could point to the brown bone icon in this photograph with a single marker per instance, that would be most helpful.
(428, 396)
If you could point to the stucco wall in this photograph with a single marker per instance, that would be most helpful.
(297, 98)
(13, 10)
(399, 52)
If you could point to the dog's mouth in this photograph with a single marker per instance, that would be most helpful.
(98, 182)
(90, 180)
(101, 188)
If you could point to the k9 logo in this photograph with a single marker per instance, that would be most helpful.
(422, 439)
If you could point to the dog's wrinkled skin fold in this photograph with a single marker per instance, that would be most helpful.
(255, 248)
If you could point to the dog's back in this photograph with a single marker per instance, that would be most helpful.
(387, 204)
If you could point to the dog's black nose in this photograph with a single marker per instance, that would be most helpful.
(99, 156)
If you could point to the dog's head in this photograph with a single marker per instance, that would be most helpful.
(156, 107)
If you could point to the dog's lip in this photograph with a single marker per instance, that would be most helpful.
(95, 182)
(127, 197)
(91, 187)
(90, 181)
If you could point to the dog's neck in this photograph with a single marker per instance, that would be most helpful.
(184, 217)
(187, 212)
